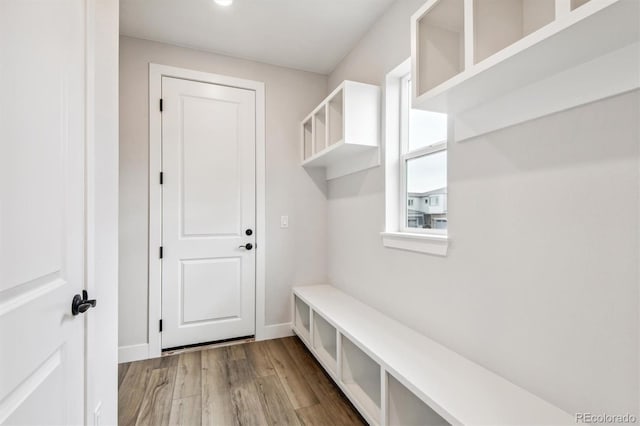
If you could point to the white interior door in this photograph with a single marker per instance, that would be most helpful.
(41, 211)
(208, 163)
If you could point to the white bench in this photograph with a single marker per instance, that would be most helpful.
(396, 376)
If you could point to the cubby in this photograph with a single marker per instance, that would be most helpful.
(325, 341)
(302, 318)
(346, 130)
(577, 3)
(320, 126)
(496, 63)
(361, 375)
(307, 139)
(404, 408)
(440, 43)
(336, 114)
(500, 23)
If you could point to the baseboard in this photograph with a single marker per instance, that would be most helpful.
(275, 331)
(133, 353)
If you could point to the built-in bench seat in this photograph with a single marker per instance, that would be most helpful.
(396, 376)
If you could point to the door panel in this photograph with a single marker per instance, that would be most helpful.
(196, 278)
(41, 211)
(208, 161)
(211, 204)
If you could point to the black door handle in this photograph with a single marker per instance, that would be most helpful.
(81, 304)
(247, 246)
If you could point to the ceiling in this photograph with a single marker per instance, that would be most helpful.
(311, 35)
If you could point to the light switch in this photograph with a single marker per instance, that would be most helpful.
(284, 221)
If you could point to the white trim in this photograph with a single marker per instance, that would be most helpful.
(422, 243)
(156, 72)
(133, 353)
(276, 331)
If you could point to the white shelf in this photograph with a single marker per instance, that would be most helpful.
(345, 131)
(325, 341)
(447, 384)
(531, 43)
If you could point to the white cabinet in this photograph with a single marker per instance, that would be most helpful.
(495, 63)
(343, 133)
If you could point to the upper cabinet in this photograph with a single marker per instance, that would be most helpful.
(343, 133)
(495, 63)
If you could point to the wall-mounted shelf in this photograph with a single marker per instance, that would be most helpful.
(395, 376)
(342, 134)
(515, 60)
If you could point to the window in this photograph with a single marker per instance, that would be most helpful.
(423, 166)
(415, 171)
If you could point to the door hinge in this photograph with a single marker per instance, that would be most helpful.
(161, 252)
(161, 105)
(160, 326)
(161, 178)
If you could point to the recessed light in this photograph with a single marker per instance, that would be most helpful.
(223, 2)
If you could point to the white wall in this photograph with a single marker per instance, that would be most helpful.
(294, 255)
(541, 281)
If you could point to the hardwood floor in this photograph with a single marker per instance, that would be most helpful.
(274, 382)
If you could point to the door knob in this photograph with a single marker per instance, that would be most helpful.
(247, 246)
(81, 304)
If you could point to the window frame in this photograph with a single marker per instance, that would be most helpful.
(392, 237)
(406, 154)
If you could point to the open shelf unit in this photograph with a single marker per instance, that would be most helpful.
(345, 131)
(302, 319)
(577, 3)
(500, 23)
(406, 409)
(441, 44)
(526, 58)
(320, 126)
(325, 341)
(395, 376)
(336, 117)
(361, 375)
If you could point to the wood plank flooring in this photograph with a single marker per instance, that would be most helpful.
(274, 382)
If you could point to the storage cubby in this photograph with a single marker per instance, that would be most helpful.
(307, 139)
(336, 114)
(440, 44)
(500, 23)
(361, 376)
(346, 130)
(302, 317)
(320, 126)
(325, 341)
(577, 3)
(406, 409)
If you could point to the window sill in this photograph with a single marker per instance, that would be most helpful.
(435, 244)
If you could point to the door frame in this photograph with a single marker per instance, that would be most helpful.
(156, 72)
